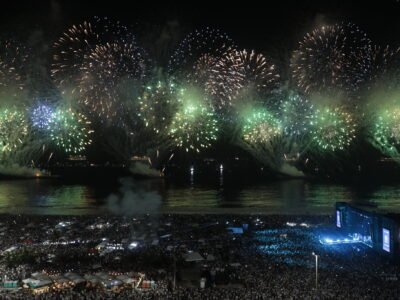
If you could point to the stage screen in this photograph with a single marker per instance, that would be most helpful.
(236, 230)
(359, 226)
(338, 219)
(386, 239)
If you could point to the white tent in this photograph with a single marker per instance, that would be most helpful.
(40, 276)
(91, 278)
(39, 283)
(193, 256)
(70, 275)
(124, 278)
(103, 275)
(210, 257)
(235, 265)
(77, 280)
(59, 279)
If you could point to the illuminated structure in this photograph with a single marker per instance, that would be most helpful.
(377, 230)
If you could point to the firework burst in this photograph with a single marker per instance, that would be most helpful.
(386, 129)
(261, 127)
(70, 51)
(105, 72)
(96, 61)
(13, 129)
(202, 70)
(296, 112)
(332, 129)
(238, 71)
(386, 62)
(194, 126)
(41, 115)
(158, 104)
(198, 52)
(13, 57)
(332, 58)
(69, 131)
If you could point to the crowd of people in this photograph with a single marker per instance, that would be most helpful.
(269, 260)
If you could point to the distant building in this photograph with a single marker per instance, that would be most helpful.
(377, 230)
(141, 158)
(76, 158)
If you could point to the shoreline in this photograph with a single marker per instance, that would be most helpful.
(182, 212)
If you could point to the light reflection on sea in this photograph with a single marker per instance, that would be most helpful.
(278, 197)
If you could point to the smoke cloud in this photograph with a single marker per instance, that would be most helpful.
(19, 171)
(131, 200)
(291, 171)
(144, 169)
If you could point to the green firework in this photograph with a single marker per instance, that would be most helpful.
(70, 131)
(193, 127)
(332, 129)
(158, 104)
(13, 128)
(386, 129)
(260, 127)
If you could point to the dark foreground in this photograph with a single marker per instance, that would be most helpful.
(136, 258)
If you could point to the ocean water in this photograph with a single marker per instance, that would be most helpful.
(55, 197)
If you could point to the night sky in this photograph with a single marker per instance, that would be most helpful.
(273, 27)
(277, 25)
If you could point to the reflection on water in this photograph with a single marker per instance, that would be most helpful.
(291, 196)
(37, 197)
